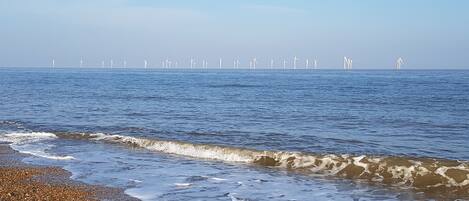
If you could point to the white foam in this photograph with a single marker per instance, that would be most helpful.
(48, 156)
(218, 179)
(452, 182)
(233, 198)
(135, 180)
(357, 162)
(31, 143)
(182, 184)
(21, 138)
(185, 149)
(141, 193)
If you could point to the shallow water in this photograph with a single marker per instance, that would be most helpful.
(178, 129)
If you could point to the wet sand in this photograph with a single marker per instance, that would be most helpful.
(20, 181)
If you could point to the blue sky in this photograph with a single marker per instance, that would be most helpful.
(426, 33)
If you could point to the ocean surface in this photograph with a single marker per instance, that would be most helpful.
(246, 134)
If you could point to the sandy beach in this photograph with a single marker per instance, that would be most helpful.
(20, 181)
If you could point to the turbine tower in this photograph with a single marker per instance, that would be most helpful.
(221, 62)
(284, 64)
(271, 64)
(307, 63)
(254, 62)
(112, 63)
(53, 63)
(81, 62)
(102, 64)
(295, 59)
(192, 63)
(235, 63)
(345, 63)
(315, 64)
(145, 63)
(399, 63)
(125, 63)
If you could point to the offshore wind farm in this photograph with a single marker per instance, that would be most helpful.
(246, 100)
(250, 64)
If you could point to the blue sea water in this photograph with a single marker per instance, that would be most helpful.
(404, 114)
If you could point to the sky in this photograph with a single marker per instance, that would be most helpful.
(427, 34)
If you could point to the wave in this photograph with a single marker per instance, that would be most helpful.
(427, 174)
(31, 143)
(43, 154)
(421, 173)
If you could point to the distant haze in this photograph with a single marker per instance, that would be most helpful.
(374, 33)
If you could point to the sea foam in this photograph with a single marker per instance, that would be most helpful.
(419, 173)
(32, 143)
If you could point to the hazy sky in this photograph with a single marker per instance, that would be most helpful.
(426, 33)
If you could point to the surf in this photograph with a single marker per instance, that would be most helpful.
(423, 174)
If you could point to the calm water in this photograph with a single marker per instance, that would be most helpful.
(227, 135)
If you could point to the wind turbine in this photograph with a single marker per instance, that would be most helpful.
(192, 62)
(236, 63)
(315, 64)
(295, 59)
(221, 62)
(112, 63)
(348, 63)
(307, 63)
(345, 63)
(53, 63)
(81, 62)
(125, 63)
(399, 63)
(254, 62)
(271, 64)
(145, 63)
(284, 64)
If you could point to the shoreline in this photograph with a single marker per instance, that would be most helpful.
(21, 181)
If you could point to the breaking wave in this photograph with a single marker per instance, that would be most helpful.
(420, 173)
(31, 143)
(425, 174)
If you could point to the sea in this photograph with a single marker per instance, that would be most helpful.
(216, 134)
